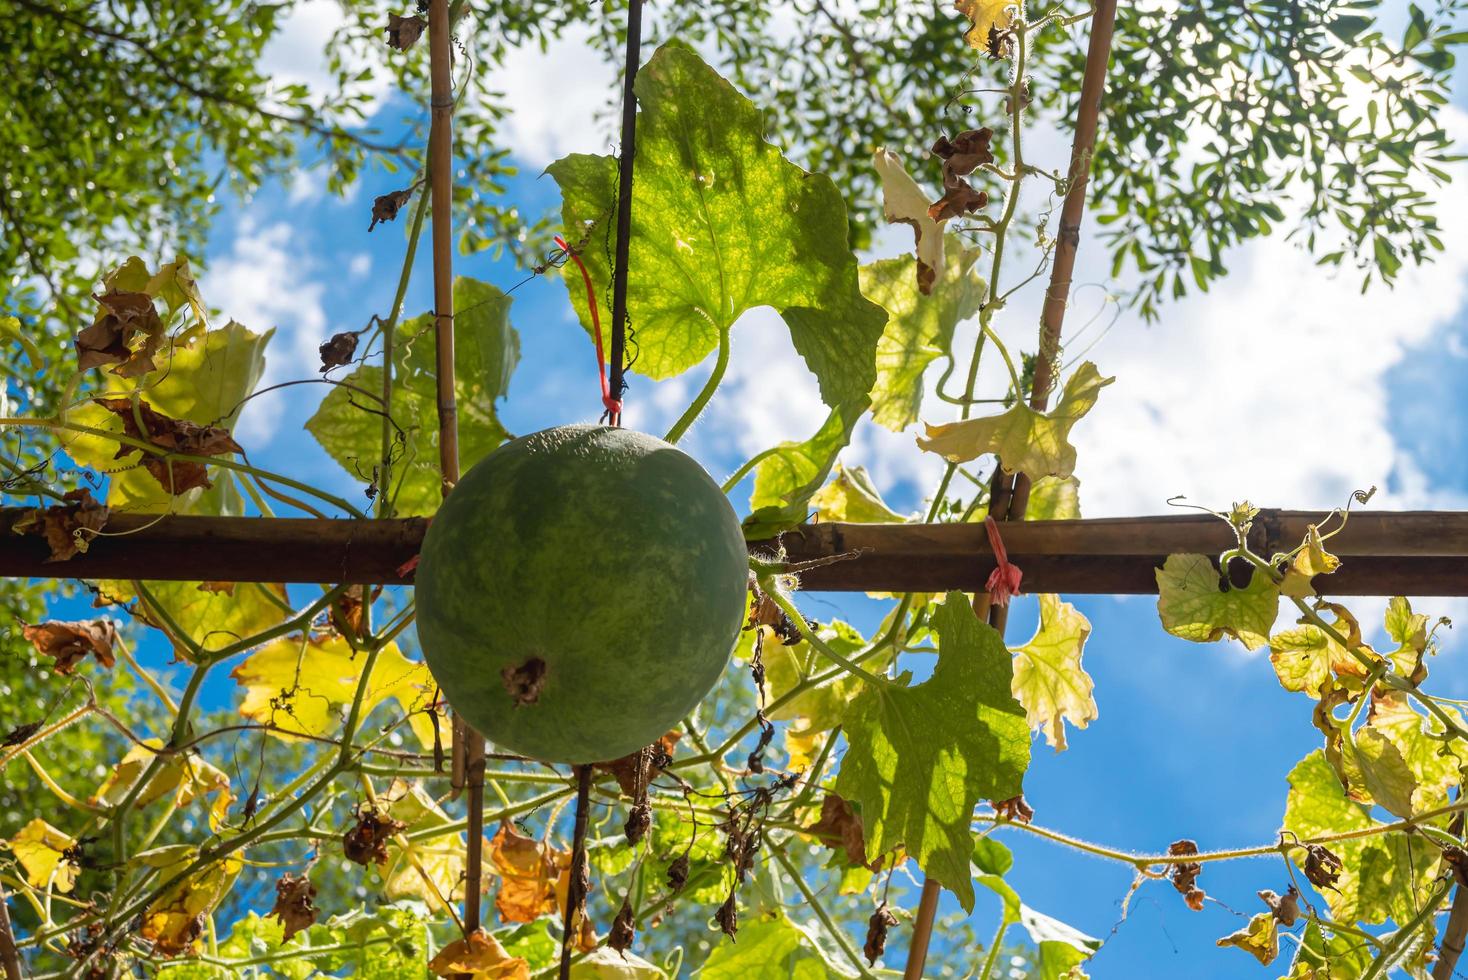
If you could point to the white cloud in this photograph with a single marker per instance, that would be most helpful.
(264, 282)
(558, 98)
(296, 54)
(359, 265)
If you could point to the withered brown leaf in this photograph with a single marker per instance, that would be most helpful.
(840, 829)
(403, 32)
(964, 153)
(958, 199)
(121, 318)
(633, 769)
(173, 435)
(386, 207)
(294, 903)
(1322, 867)
(1014, 809)
(1286, 907)
(678, 872)
(70, 643)
(338, 351)
(533, 875)
(624, 929)
(882, 920)
(728, 916)
(365, 842)
(1184, 875)
(65, 526)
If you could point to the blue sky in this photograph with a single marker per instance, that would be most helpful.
(1192, 741)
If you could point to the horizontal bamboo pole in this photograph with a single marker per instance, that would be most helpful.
(1384, 553)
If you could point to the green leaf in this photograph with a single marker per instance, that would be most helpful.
(722, 223)
(1259, 938)
(919, 328)
(1048, 678)
(348, 424)
(1433, 764)
(769, 946)
(992, 857)
(1409, 631)
(786, 480)
(850, 496)
(920, 758)
(1196, 604)
(1375, 766)
(1384, 875)
(212, 619)
(1061, 946)
(1307, 658)
(1337, 957)
(1054, 499)
(1025, 440)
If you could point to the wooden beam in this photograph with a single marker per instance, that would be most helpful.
(1408, 553)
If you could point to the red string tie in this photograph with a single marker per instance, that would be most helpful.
(612, 405)
(1004, 580)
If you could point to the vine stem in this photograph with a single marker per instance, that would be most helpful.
(778, 849)
(1385, 959)
(9, 955)
(693, 411)
(768, 585)
(986, 972)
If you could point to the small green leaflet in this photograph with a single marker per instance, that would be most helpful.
(722, 223)
(919, 328)
(919, 759)
(348, 424)
(1193, 604)
(1033, 443)
(1060, 946)
(785, 481)
(1048, 678)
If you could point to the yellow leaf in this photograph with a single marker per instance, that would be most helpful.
(1306, 657)
(481, 956)
(306, 687)
(904, 202)
(42, 852)
(850, 496)
(213, 620)
(187, 776)
(1035, 444)
(175, 920)
(985, 16)
(533, 875)
(1259, 938)
(1311, 560)
(430, 869)
(1048, 678)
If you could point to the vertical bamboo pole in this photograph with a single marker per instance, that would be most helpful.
(1008, 497)
(632, 56)
(468, 744)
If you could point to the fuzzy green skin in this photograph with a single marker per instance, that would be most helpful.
(608, 554)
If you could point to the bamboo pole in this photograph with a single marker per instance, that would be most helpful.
(1383, 553)
(1010, 495)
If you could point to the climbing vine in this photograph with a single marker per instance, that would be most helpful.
(789, 825)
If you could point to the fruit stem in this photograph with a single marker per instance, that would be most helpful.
(701, 402)
(771, 588)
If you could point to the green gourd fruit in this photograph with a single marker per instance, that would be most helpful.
(580, 591)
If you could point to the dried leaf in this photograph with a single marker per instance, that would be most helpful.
(905, 202)
(19, 734)
(678, 872)
(403, 32)
(70, 643)
(176, 919)
(479, 955)
(339, 350)
(1286, 907)
(624, 929)
(882, 920)
(1014, 809)
(386, 207)
(66, 526)
(123, 317)
(1322, 867)
(1184, 875)
(634, 769)
(534, 876)
(839, 828)
(365, 842)
(728, 916)
(294, 904)
(172, 435)
(965, 153)
(959, 198)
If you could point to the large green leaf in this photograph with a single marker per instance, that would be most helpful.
(1195, 604)
(722, 223)
(919, 328)
(486, 349)
(920, 758)
(1034, 443)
